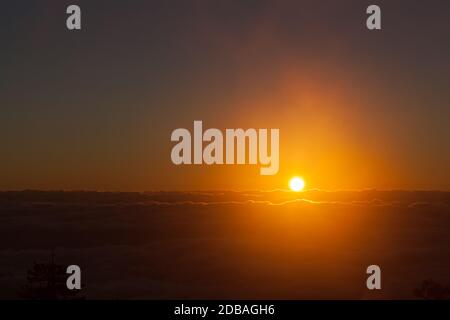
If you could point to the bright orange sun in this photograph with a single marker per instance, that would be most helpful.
(296, 184)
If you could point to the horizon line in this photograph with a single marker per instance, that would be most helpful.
(223, 190)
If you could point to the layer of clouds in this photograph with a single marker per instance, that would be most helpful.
(274, 244)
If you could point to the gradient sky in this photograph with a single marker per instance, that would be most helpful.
(94, 109)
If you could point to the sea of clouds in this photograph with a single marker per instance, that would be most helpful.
(226, 244)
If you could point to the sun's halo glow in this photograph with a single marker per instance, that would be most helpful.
(296, 184)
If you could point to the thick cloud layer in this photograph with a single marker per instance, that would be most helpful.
(274, 244)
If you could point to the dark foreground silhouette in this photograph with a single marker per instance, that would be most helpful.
(47, 281)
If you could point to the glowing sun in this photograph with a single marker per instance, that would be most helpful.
(296, 184)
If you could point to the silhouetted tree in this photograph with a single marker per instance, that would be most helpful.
(47, 281)
(431, 290)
